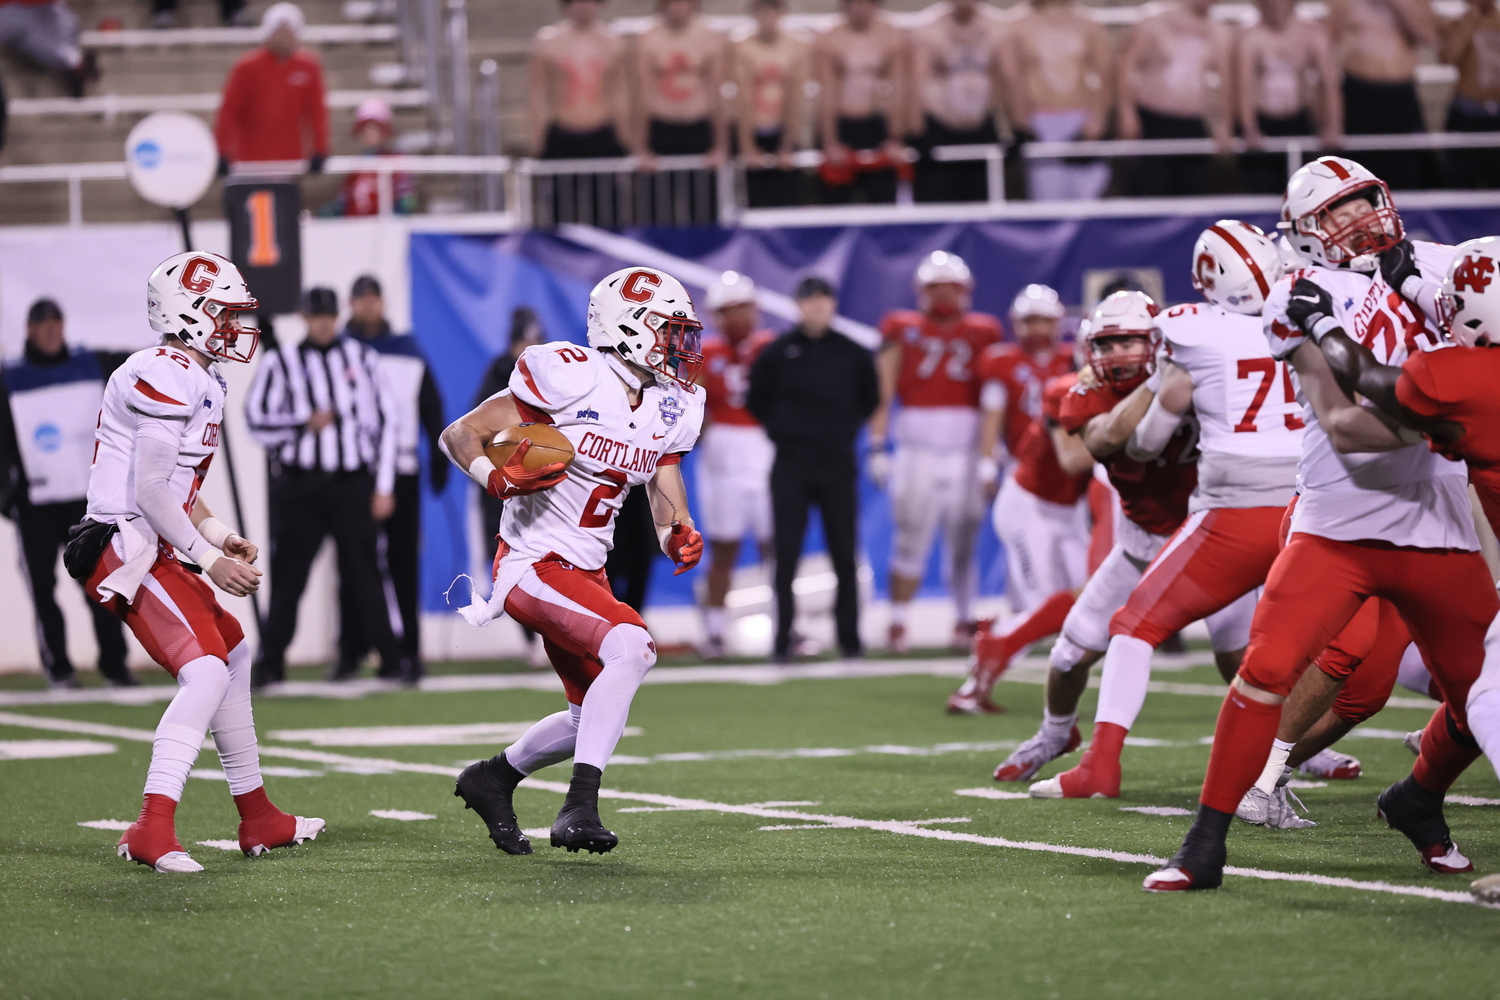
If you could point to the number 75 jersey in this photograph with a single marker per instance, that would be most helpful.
(1250, 423)
(578, 391)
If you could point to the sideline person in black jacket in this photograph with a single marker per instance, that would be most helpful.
(812, 390)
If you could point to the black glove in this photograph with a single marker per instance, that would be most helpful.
(439, 469)
(223, 165)
(1398, 266)
(1311, 308)
(315, 163)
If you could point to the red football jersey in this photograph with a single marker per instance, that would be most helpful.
(938, 360)
(1458, 384)
(726, 376)
(1022, 377)
(1153, 494)
(1037, 468)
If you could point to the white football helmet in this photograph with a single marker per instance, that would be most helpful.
(941, 267)
(1310, 230)
(1469, 302)
(1235, 264)
(647, 318)
(732, 289)
(1036, 300)
(1123, 314)
(201, 299)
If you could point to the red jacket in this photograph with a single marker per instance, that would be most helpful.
(272, 107)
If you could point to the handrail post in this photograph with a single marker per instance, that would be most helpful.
(385, 190)
(75, 200)
(727, 183)
(994, 174)
(1293, 157)
(489, 128)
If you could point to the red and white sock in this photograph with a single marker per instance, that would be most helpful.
(1122, 687)
(201, 685)
(233, 727)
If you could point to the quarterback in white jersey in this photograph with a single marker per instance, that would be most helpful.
(628, 405)
(1378, 515)
(158, 430)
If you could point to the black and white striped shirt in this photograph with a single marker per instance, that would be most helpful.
(294, 382)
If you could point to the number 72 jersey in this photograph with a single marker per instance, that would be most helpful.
(938, 359)
(1250, 423)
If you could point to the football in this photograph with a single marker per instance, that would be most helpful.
(548, 446)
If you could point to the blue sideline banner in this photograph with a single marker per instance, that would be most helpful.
(464, 287)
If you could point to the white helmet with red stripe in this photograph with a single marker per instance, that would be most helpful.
(1235, 264)
(201, 299)
(647, 318)
(1036, 300)
(731, 289)
(941, 267)
(1315, 229)
(1122, 338)
(1469, 302)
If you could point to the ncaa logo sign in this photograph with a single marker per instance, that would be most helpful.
(47, 437)
(147, 154)
(638, 285)
(198, 275)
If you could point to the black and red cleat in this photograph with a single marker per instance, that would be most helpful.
(1418, 813)
(1199, 862)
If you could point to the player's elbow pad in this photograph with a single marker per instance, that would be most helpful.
(1153, 432)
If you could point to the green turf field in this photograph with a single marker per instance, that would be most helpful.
(898, 888)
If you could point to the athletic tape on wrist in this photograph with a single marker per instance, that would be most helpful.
(214, 531)
(1323, 327)
(208, 558)
(479, 470)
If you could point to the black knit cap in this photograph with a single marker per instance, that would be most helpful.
(42, 310)
(813, 284)
(365, 284)
(320, 302)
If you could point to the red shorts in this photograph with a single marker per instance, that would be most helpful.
(1214, 559)
(175, 614)
(1317, 585)
(572, 610)
(1102, 508)
(1374, 642)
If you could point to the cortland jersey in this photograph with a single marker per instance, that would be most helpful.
(1153, 494)
(1409, 497)
(726, 376)
(1037, 469)
(1249, 422)
(1457, 384)
(157, 382)
(578, 391)
(938, 385)
(1012, 380)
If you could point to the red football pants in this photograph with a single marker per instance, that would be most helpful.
(1214, 559)
(1366, 656)
(175, 614)
(572, 610)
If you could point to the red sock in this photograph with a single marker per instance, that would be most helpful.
(1098, 772)
(254, 804)
(1442, 758)
(155, 832)
(157, 808)
(1043, 620)
(1242, 742)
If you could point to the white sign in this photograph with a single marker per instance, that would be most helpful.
(171, 158)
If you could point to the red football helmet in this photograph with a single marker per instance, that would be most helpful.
(1122, 339)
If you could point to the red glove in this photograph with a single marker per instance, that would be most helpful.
(513, 480)
(684, 547)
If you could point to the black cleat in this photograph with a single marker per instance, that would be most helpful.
(1199, 862)
(578, 826)
(1418, 813)
(486, 787)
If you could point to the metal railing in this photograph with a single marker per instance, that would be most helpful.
(532, 190)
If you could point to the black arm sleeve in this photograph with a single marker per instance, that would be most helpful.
(759, 400)
(1357, 370)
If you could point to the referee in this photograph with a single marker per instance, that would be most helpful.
(326, 416)
(812, 389)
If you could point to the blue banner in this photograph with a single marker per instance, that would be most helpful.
(464, 287)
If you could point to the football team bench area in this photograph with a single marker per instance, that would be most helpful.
(767, 849)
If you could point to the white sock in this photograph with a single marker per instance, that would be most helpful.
(233, 727)
(1275, 764)
(715, 620)
(628, 654)
(1122, 688)
(201, 685)
(1412, 674)
(898, 612)
(546, 743)
(1056, 726)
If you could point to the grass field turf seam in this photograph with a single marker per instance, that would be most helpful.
(714, 901)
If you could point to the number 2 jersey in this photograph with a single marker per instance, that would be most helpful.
(938, 385)
(1249, 422)
(1408, 497)
(616, 446)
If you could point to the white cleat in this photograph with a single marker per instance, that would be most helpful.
(1487, 889)
(1413, 742)
(172, 861)
(1330, 765)
(1272, 811)
(1051, 788)
(308, 828)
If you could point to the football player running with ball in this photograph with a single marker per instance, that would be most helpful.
(628, 406)
(1378, 515)
(158, 431)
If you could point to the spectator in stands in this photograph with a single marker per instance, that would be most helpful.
(273, 106)
(45, 32)
(49, 401)
(578, 93)
(233, 13)
(681, 65)
(861, 65)
(418, 409)
(360, 194)
(1173, 83)
(1057, 62)
(1288, 85)
(770, 71)
(1472, 43)
(956, 82)
(1376, 41)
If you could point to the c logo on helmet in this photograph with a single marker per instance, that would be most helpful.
(1206, 266)
(198, 275)
(634, 288)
